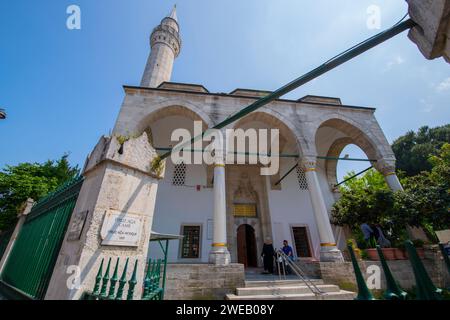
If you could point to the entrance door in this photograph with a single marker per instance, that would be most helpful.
(246, 245)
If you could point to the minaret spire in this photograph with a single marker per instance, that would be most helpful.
(165, 45)
(173, 14)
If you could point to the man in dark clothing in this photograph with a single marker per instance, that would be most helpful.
(268, 253)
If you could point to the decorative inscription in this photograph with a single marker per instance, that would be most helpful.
(244, 210)
(120, 229)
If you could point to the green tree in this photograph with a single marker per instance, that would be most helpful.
(427, 195)
(413, 150)
(366, 199)
(425, 202)
(372, 179)
(30, 180)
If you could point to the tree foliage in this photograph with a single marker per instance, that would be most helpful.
(425, 202)
(364, 199)
(427, 195)
(30, 180)
(413, 150)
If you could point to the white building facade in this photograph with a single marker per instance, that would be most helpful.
(226, 211)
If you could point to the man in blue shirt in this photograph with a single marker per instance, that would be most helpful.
(288, 250)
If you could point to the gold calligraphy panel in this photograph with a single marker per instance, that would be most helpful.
(244, 210)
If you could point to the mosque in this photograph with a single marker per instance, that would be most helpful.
(225, 211)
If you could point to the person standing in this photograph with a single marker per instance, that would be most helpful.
(287, 249)
(368, 234)
(267, 254)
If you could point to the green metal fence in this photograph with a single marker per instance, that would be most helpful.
(105, 287)
(33, 257)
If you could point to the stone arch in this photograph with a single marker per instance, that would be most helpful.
(275, 120)
(334, 151)
(352, 133)
(170, 108)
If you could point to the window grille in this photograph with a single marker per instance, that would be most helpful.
(301, 177)
(179, 174)
(190, 248)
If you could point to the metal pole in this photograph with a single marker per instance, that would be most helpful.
(327, 66)
(287, 173)
(354, 176)
(165, 269)
(345, 159)
(281, 155)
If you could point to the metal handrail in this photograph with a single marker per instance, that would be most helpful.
(297, 270)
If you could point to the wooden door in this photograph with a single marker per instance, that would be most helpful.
(242, 245)
(252, 260)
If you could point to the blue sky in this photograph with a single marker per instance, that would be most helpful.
(63, 88)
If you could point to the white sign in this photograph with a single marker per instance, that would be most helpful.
(120, 229)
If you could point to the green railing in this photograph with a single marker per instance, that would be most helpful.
(109, 287)
(424, 289)
(152, 284)
(32, 259)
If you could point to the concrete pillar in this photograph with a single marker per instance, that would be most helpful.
(219, 254)
(22, 217)
(112, 218)
(328, 247)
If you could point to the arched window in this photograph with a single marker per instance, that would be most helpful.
(179, 174)
(302, 183)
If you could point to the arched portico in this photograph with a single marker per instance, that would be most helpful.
(334, 134)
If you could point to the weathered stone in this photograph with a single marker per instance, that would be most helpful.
(118, 180)
(202, 281)
(432, 35)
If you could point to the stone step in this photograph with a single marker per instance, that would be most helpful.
(279, 283)
(282, 290)
(341, 295)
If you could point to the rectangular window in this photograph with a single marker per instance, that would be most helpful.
(301, 242)
(190, 245)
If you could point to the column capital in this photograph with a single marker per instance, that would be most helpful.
(386, 166)
(219, 158)
(309, 163)
(27, 206)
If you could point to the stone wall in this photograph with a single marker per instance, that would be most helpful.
(432, 33)
(202, 281)
(310, 268)
(342, 274)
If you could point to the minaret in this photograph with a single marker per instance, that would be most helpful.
(165, 45)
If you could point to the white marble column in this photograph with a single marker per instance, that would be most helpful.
(328, 247)
(219, 254)
(387, 168)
